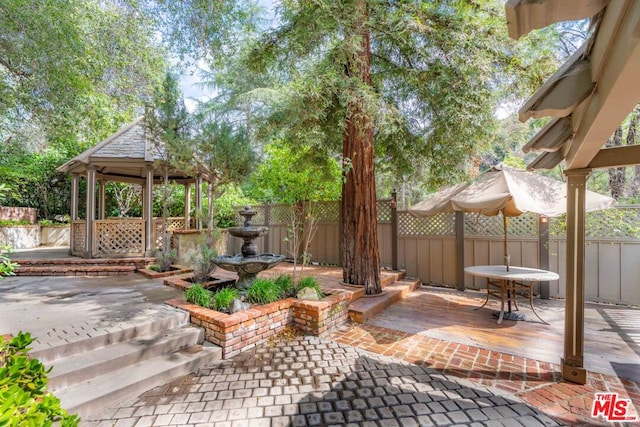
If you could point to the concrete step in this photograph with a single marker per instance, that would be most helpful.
(80, 338)
(93, 396)
(77, 368)
(366, 307)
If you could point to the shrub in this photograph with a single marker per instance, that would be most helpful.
(23, 383)
(6, 265)
(198, 295)
(13, 222)
(165, 259)
(310, 282)
(285, 283)
(154, 267)
(222, 299)
(263, 291)
(203, 265)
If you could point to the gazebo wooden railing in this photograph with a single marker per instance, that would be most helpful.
(119, 237)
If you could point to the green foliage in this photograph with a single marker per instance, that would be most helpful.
(4, 191)
(154, 267)
(222, 298)
(72, 71)
(7, 266)
(312, 283)
(285, 283)
(227, 203)
(288, 175)
(13, 222)
(50, 223)
(23, 382)
(263, 291)
(165, 258)
(198, 295)
(202, 261)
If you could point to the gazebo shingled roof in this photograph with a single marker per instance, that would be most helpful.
(124, 156)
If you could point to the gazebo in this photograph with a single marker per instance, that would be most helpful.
(128, 156)
(588, 98)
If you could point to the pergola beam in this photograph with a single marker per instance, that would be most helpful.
(616, 157)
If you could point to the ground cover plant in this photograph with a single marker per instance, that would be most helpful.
(23, 381)
(6, 265)
(198, 295)
(223, 298)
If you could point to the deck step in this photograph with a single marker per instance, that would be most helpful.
(93, 396)
(366, 307)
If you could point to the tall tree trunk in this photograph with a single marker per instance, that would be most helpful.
(634, 190)
(616, 175)
(360, 257)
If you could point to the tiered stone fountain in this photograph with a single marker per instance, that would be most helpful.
(248, 263)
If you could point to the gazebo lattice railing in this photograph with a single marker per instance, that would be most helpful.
(119, 237)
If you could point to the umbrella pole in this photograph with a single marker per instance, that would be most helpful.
(507, 257)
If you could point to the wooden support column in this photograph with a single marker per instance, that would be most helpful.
(90, 212)
(573, 361)
(147, 210)
(267, 216)
(459, 224)
(394, 230)
(543, 250)
(198, 203)
(187, 206)
(75, 180)
(101, 199)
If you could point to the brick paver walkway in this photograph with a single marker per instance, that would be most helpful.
(316, 381)
(537, 383)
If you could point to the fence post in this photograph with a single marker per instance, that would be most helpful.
(543, 250)
(267, 214)
(459, 224)
(394, 230)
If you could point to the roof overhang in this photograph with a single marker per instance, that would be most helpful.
(526, 15)
(612, 91)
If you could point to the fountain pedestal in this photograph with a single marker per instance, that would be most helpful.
(249, 263)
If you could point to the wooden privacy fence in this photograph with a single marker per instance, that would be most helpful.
(428, 248)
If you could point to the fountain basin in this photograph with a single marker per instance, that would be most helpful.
(247, 268)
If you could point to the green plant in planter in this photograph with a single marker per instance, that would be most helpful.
(7, 266)
(203, 265)
(310, 282)
(165, 259)
(285, 283)
(263, 291)
(23, 380)
(154, 267)
(198, 295)
(222, 299)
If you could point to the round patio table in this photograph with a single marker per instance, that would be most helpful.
(505, 284)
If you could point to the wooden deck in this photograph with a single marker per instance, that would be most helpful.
(612, 332)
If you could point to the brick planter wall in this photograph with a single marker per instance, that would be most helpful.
(244, 330)
(19, 214)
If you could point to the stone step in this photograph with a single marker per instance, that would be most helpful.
(93, 396)
(366, 307)
(77, 368)
(79, 338)
(80, 266)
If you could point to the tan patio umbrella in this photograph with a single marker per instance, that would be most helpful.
(510, 192)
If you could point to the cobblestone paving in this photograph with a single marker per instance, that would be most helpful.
(310, 381)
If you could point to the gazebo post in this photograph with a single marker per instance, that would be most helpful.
(573, 361)
(187, 206)
(198, 202)
(75, 178)
(147, 210)
(91, 211)
(101, 206)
